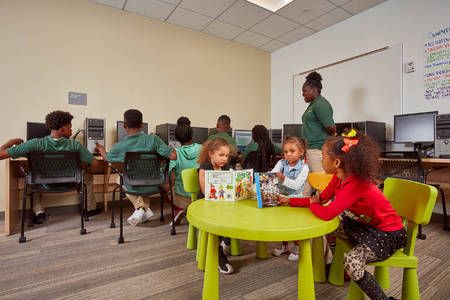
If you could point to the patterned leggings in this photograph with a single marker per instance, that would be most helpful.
(356, 260)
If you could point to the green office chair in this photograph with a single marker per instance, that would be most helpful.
(414, 202)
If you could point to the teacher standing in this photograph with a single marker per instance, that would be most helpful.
(318, 124)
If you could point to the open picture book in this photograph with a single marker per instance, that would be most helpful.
(228, 185)
(267, 189)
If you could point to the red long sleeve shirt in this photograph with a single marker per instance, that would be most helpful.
(361, 201)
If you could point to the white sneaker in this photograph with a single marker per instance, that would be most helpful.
(136, 217)
(294, 254)
(225, 247)
(147, 215)
(283, 250)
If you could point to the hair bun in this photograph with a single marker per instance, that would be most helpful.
(314, 76)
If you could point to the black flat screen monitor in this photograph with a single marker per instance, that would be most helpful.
(199, 134)
(243, 138)
(36, 130)
(122, 133)
(415, 128)
(292, 130)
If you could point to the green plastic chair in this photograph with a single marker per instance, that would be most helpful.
(414, 202)
(191, 185)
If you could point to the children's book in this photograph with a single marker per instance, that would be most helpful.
(267, 189)
(228, 185)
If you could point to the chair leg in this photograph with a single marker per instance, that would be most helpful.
(261, 250)
(82, 230)
(191, 243)
(30, 221)
(336, 276)
(420, 235)
(121, 239)
(444, 209)
(161, 219)
(22, 238)
(172, 230)
(410, 287)
(86, 217)
(354, 292)
(382, 277)
(113, 225)
(235, 247)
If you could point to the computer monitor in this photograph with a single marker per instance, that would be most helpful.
(122, 133)
(243, 138)
(36, 130)
(292, 130)
(415, 128)
(200, 134)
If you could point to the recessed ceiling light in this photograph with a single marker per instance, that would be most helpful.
(272, 5)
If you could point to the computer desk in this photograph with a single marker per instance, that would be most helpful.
(103, 183)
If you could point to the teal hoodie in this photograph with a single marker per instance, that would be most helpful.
(186, 159)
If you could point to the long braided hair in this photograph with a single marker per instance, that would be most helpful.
(261, 136)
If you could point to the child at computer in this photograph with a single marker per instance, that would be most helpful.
(367, 217)
(292, 171)
(261, 142)
(136, 141)
(60, 125)
(187, 156)
(214, 155)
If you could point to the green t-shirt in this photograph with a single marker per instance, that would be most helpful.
(224, 135)
(135, 143)
(49, 144)
(186, 159)
(316, 117)
(253, 146)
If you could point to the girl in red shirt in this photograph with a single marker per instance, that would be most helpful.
(367, 217)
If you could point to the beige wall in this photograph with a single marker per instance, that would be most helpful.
(121, 60)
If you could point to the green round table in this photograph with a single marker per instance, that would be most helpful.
(244, 220)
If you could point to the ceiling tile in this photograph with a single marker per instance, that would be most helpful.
(113, 3)
(252, 39)
(211, 8)
(223, 30)
(150, 8)
(296, 34)
(189, 19)
(174, 2)
(272, 46)
(337, 2)
(357, 6)
(274, 26)
(244, 14)
(303, 11)
(331, 18)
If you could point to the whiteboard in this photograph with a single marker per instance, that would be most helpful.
(368, 88)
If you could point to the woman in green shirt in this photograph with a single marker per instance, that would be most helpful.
(261, 142)
(318, 124)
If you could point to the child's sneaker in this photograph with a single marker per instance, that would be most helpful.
(177, 216)
(224, 265)
(225, 245)
(294, 254)
(136, 217)
(283, 250)
(147, 215)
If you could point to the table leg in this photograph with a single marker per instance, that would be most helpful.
(318, 260)
(201, 249)
(235, 247)
(305, 271)
(261, 250)
(211, 278)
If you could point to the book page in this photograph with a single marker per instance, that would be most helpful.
(219, 186)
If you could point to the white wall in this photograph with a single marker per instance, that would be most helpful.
(392, 22)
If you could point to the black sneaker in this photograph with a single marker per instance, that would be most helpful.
(224, 265)
(39, 218)
(93, 212)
